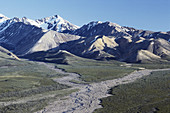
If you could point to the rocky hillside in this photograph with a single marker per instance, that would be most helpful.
(106, 40)
(122, 49)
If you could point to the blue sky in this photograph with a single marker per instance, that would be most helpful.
(141, 14)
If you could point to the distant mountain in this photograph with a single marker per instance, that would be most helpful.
(6, 22)
(95, 40)
(23, 35)
(122, 49)
(112, 29)
(55, 23)
(109, 48)
(22, 38)
(106, 40)
(101, 28)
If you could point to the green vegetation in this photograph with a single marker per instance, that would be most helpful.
(149, 94)
(90, 70)
(95, 71)
(25, 79)
(153, 65)
(21, 79)
(35, 105)
(29, 107)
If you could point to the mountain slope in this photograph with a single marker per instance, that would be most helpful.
(100, 28)
(6, 22)
(112, 29)
(95, 40)
(20, 37)
(122, 49)
(31, 38)
(125, 43)
(5, 52)
(59, 57)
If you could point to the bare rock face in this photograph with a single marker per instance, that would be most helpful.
(144, 55)
(52, 39)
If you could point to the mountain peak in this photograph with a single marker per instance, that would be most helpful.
(56, 23)
(100, 28)
(57, 16)
(3, 18)
(113, 24)
(94, 23)
(51, 18)
(1, 15)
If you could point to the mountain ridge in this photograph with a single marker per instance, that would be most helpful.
(55, 23)
(96, 40)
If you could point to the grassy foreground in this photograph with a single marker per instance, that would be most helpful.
(24, 79)
(147, 95)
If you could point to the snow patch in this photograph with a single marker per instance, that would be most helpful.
(152, 43)
(94, 39)
(151, 35)
(4, 28)
(46, 23)
(3, 18)
(92, 24)
(55, 21)
(140, 34)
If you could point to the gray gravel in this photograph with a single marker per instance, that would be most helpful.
(87, 99)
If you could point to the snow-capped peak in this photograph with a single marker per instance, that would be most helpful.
(93, 23)
(56, 23)
(3, 18)
(114, 24)
(1, 15)
(24, 20)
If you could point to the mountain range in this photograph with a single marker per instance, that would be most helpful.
(50, 36)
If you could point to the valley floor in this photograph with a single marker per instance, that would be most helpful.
(88, 96)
